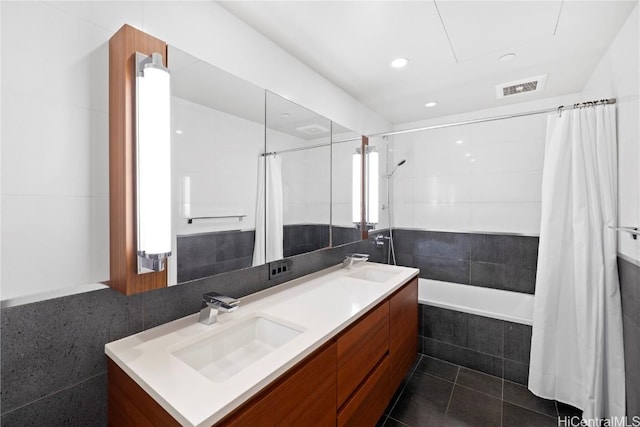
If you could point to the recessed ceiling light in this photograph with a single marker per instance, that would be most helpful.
(459, 141)
(399, 62)
(431, 104)
(507, 58)
(467, 154)
(285, 114)
(179, 132)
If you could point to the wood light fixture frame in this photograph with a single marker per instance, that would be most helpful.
(122, 160)
(363, 188)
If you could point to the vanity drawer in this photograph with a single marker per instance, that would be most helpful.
(367, 405)
(304, 396)
(360, 349)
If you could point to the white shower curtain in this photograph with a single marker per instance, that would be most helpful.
(577, 352)
(269, 222)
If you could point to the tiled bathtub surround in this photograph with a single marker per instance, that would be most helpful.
(498, 261)
(630, 292)
(493, 346)
(52, 352)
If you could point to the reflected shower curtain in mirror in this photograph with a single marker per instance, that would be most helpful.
(269, 211)
(577, 352)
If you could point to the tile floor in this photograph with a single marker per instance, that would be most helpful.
(439, 393)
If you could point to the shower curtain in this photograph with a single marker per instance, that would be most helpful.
(577, 352)
(269, 211)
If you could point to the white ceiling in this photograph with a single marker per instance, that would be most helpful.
(453, 47)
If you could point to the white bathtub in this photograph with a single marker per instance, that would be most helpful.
(505, 305)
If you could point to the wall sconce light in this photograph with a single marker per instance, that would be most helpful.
(371, 186)
(153, 157)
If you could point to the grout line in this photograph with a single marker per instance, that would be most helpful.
(46, 396)
(446, 411)
(398, 421)
(408, 378)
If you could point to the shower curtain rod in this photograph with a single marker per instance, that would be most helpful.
(558, 110)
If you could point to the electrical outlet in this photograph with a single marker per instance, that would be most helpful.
(280, 268)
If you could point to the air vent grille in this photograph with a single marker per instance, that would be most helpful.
(313, 129)
(514, 90)
(528, 85)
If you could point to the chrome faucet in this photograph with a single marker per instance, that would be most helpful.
(213, 304)
(352, 259)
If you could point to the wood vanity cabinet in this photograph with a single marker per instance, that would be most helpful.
(304, 397)
(347, 382)
(403, 332)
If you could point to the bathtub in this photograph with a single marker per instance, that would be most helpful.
(504, 305)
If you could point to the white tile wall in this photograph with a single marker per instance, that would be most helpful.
(617, 76)
(54, 122)
(54, 159)
(484, 177)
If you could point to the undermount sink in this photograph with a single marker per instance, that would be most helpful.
(223, 355)
(372, 275)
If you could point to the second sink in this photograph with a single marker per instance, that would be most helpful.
(372, 274)
(223, 355)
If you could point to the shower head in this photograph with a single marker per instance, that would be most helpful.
(402, 162)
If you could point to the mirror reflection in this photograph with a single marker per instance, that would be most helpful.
(345, 203)
(297, 179)
(217, 139)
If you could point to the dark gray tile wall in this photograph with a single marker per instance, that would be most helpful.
(484, 344)
(52, 362)
(302, 238)
(342, 235)
(494, 261)
(630, 293)
(206, 254)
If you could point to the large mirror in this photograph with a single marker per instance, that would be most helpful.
(345, 203)
(217, 141)
(298, 179)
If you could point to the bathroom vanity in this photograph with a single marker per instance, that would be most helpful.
(330, 348)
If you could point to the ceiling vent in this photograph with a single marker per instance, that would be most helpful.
(528, 85)
(312, 129)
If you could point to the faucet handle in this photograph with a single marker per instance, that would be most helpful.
(221, 301)
(358, 257)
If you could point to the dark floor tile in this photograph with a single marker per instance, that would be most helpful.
(478, 381)
(630, 289)
(521, 396)
(516, 416)
(424, 401)
(471, 408)
(381, 421)
(394, 423)
(438, 368)
(565, 410)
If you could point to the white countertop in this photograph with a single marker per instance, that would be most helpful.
(321, 304)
